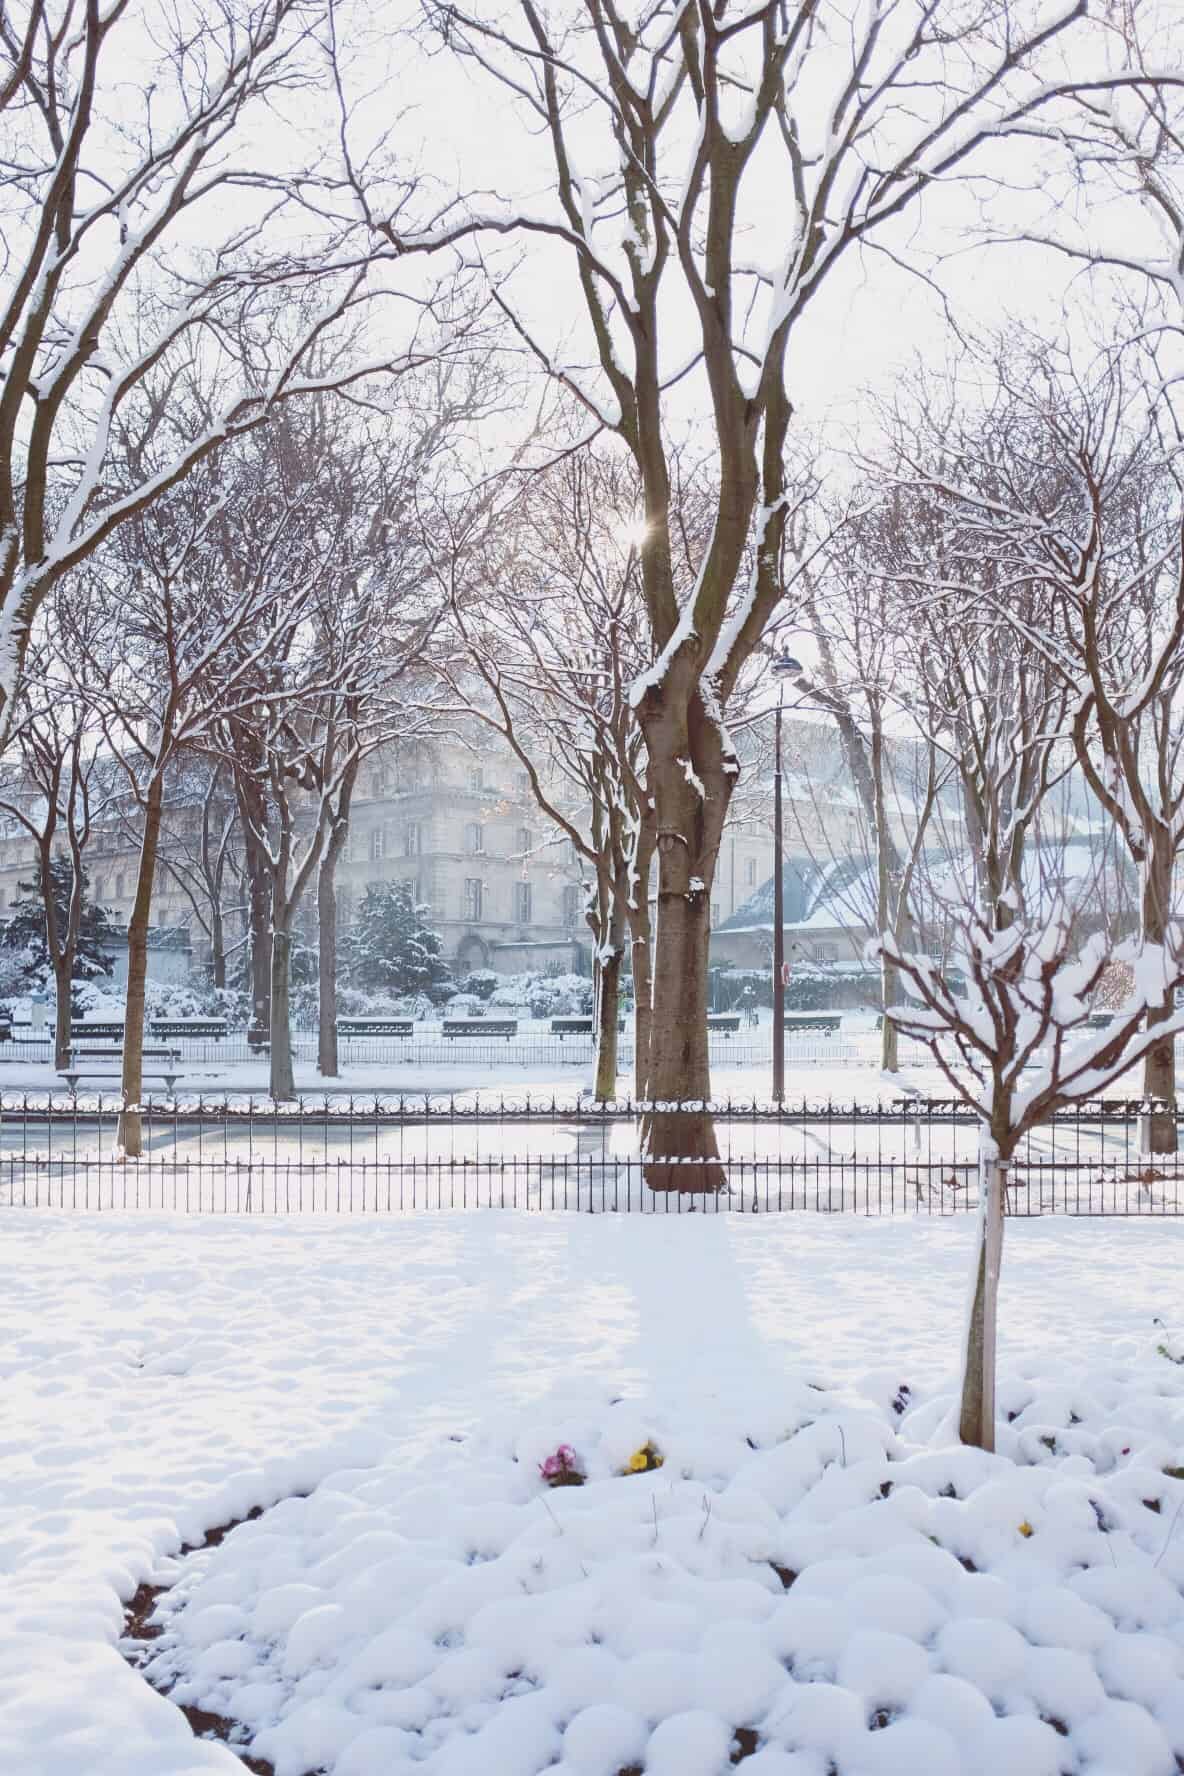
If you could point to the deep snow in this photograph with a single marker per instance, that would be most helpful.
(162, 1375)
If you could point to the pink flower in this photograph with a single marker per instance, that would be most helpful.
(564, 1461)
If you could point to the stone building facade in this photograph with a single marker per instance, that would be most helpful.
(456, 818)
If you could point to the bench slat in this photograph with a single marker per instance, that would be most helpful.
(375, 1027)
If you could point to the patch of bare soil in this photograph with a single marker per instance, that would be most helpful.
(140, 1632)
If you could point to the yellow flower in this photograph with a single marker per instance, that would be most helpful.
(1025, 1528)
(643, 1459)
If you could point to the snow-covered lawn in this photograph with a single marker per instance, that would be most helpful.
(431, 1607)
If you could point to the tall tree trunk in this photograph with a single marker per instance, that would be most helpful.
(976, 1418)
(642, 955)
(130, 1133)
(691, 791)
(889, 1034)
(327, 1062)
(1159, 1066)
(608, 1003)
(252, 812)
(60, 946)
(217, 945)
(63, 974)
(259, 922)
(283, 1085)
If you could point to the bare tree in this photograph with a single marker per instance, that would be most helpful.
(1069, 493)
(695, 110)
(57, 784)
(128, 144)
(872, 684)
(547, 653)
(314, 710)
(201, 852)
(1014, 1048)
(190, 644)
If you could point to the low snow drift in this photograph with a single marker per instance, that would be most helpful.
(433, 1606)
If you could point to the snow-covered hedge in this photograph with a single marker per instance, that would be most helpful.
(543, 996)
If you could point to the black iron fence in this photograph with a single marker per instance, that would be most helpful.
(388, 1154)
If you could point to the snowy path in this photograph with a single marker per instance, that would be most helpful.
(162, 1375)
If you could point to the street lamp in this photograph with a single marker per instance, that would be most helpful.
(784, 666)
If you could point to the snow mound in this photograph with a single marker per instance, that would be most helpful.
(816, 1590)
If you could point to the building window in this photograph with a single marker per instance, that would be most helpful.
(376, 844)
(412, 839)
(827, 952)
(525, 840)
(474, 896)
(571, 905)
(476, 778)
(119, 887)
(714, 914)
(474, 838)
(522, 782)
(522, 903)
(750, 872)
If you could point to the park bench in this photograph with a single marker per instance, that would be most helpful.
(1099, 1020)
(97, 1032)
(375, 1027)
(727, 1021)
(576, 1026)
(202, 1028)
(828, 1021)
(454, 1027)
(73, 1072)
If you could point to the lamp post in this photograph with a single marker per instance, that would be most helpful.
(784, 666)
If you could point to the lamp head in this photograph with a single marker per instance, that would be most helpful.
(785, 666)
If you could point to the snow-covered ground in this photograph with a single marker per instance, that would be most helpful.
(432, 1608)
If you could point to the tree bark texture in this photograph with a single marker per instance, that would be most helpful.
(691, 791)
(608, 999)
(63, 971)
(283, 1085)
(253, 820)
(217, 945)
(641, 950)
(1158, 1129)
(130, 1131)
(976, 1419)
(327, 1063)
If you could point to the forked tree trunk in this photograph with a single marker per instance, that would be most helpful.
(283, 1084)
(130, 1131)
(1158, 1131)
(327, 1063)
(976, 1418)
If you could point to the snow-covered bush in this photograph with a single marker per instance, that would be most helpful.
(543, 996)
(231, 1003)
(481, 983)
(462, 1005)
